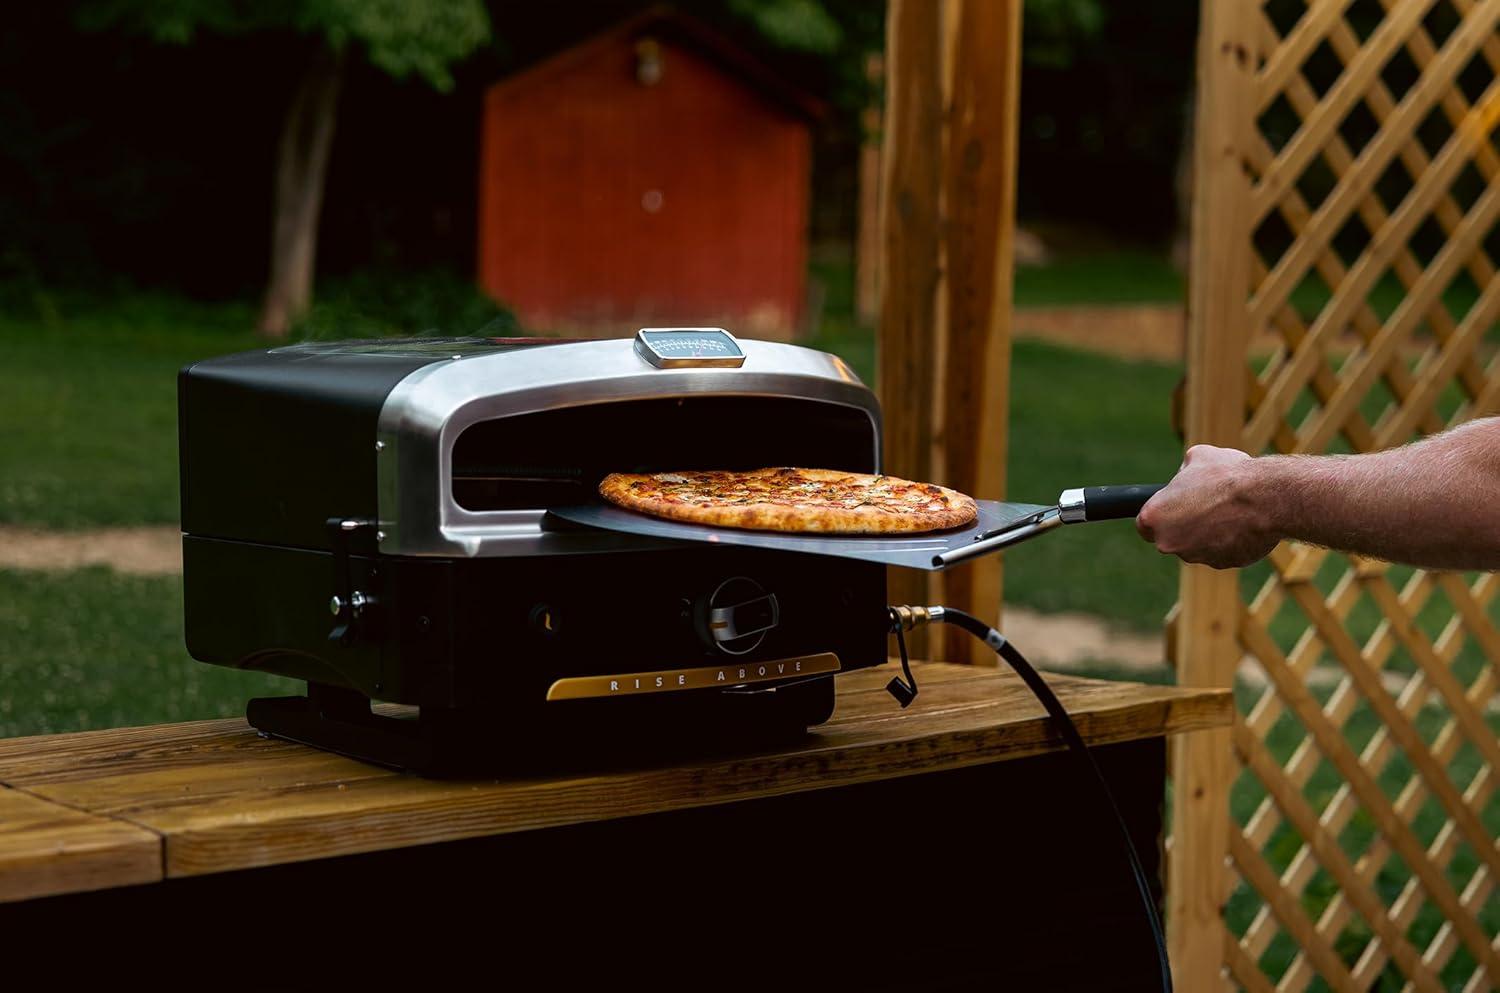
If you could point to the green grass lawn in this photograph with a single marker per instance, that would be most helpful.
(88, 391)
(92, 648)
(1120, 277)
(1078, 419)
(1127, 275)
(88, 409)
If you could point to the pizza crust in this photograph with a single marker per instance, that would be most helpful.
(818, 501)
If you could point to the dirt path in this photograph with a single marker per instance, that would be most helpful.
(1133, 331)
(1070, 641)
(1153, 331)
(143, 551)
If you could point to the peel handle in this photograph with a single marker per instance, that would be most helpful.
(1106, 503)
(1113, 503)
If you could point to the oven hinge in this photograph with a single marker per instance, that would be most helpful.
(347, 603)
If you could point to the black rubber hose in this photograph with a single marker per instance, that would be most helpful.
(1075, 742)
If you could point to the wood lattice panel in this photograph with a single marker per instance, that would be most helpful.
(1361, 842)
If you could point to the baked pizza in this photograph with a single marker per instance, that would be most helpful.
(800, 500)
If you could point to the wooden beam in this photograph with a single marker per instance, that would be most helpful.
(947, 217)
(1208, 647)
(979, 189)
(911, 177)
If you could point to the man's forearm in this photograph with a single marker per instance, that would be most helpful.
(1435, 503)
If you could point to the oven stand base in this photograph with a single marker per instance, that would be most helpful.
(449, 743)
(340, 720)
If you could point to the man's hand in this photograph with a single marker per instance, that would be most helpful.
(1206, 513)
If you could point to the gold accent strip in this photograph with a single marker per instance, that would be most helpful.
(673, 680)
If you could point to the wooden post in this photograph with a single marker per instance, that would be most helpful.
(1208, 649)
(947, 217)
(911, 176)
(979, 188)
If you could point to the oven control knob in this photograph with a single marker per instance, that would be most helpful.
(735, 617)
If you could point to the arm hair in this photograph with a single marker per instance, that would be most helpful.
(1434, 503)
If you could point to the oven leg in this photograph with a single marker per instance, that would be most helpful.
(340, 720)
(443, 742)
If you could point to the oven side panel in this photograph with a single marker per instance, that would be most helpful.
(265, 608)
(271, 445)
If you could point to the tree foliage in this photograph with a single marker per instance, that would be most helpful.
(401, 38)
(1056, 28)
(829, 41)
(800, 25)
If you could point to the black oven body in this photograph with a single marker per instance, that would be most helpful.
(475, 644)
(278, 447)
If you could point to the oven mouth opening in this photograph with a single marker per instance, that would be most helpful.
(556, 458)
(521, 488)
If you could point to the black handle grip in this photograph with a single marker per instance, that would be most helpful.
(1113, 503)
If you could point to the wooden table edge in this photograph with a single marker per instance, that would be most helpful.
(76, 851)
(192, 851)
(242, 843)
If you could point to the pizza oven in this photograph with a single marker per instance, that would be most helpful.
(381, 519)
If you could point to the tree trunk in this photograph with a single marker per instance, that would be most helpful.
(301, 167)
(867, 224)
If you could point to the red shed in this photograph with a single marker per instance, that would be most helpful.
(652, 174)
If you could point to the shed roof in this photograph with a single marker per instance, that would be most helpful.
(667, 22)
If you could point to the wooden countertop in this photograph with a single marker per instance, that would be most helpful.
(98, 809)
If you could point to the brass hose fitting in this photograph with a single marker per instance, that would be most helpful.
(909, 618)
